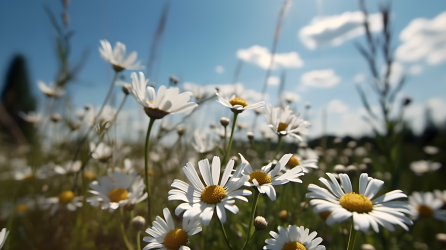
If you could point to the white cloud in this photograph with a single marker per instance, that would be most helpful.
(397, 73)
(337, 106)
(261, 57)
(219, 69)
(335, 30)
(320, 78)
(424, 39)
(273, 80)
(416, 69)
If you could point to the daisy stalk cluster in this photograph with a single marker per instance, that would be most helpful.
(251, 181)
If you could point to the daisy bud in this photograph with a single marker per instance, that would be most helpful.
(339, 169)
(260, 223)
(224, 121)
(351, 144)
(367, 247)
(250, 136)
(181, 130)
(283, 215)
(212, 125)
(303, 144)
(138, 223)
(308, 105)
(351, 170)
(55, 117)
(407, 101)
(174, 80)
(441, 238)
(337, 140)
(126, 88)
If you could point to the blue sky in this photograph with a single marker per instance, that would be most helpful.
(201, 35)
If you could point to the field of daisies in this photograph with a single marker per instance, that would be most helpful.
(236, 186)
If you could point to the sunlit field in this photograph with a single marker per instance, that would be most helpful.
(274, 149)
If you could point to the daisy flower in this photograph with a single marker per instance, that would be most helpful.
(3, 235)
(290, 97)
(199, 92)
(422, 167)
(297, 160)
(50, 92)
(268, 176)
(68, 167)
(65, 199)
(26, 173)
(442, 196)
(203, 141)
(344, 203)
(238, 104)
(118, 191)
(426, 205)
(165, 236)
(202, 200)
(293, 238)
(128, 167)
(31, 117)
(117, 56)
(166, 101)
(283, 122)
(100, 152)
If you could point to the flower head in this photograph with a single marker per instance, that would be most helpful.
(117, 57)
(238, 104)
(268, 176)
(344, 203)
(217, 194)
(294, 238)
(118, 191)
(164, 234)
(50, 91)
(100, 152)
(65, 199)
(166, 101)
(31, 117)
(422, 167)
(283, 122)
(203, 141)
(68, 167)
(426, 205)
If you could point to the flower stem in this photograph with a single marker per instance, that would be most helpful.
(146, 167)
(251, 220)
(138, 240)
(124, 236)
(351, 240)
(228, 150)
(279, 143)
(224, 233)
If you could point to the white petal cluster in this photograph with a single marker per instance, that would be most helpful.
(203, 141)
(425, 204)
(293, 233)
(283, 122)
(117, 56)
(50, 91)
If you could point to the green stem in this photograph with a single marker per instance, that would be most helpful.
(228, 150)
(124, 235)
(224, 233)
(224, 140)
(251, 220)
(351, 240)
(279, 143)
(146, 167)
(138, 240)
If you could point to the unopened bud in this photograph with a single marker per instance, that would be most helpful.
(174, 80)
(212, 125)
(126, 88)
(129, 206)
(308, 105)
(367, 247)
(303, 144)
(351, 144)
(250, 136)
(337, 140)
(260, 223)
(407, 101)
(224, 121)
(351, 170)
(339, 169)
(55, 117)
(138, 223)
(441, 238)
(181, 130)
(283, 215)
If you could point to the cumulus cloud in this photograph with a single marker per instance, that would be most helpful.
(337, 106)
(320, 78)
(424, 39)
(335, 30)
(416, 69)
(219, 69)
(261, 57)
(273, 80)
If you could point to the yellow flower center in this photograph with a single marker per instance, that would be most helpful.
(28, 177)
(21, 208)
(238, 101)
(213, 194)
(294, 245)
(175, 239)
(150, 172)
(293, 162)
(425, 211)
(282, 127)
(354, 202)
(118, 194)
(89, 175)
(324, 215)
(66, 197)
(261, 178)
